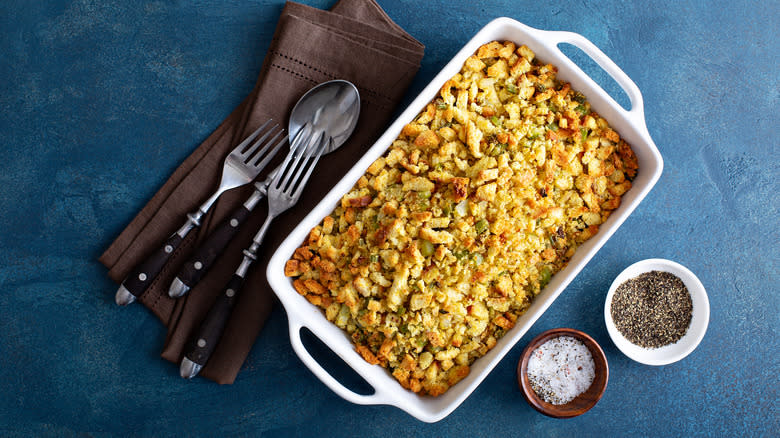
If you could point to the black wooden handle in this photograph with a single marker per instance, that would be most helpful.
(205, 255)
(203, 342)
(144, 274)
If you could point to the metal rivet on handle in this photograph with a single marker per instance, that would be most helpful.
(168, 248)
(233, 223)
(198, 265)
(142, 276)
(201, 343)
(230, 293)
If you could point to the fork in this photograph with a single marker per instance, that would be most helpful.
(283, 192)
(204, 257)
(240, 167)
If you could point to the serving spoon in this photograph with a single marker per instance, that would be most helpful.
(326, 116)
(331, 107)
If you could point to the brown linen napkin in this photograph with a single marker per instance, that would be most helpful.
(355, 41)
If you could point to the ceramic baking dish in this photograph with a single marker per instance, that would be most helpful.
(629, 124)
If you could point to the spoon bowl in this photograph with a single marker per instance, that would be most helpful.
(331, 108)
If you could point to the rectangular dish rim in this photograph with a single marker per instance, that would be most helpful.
(428, 408)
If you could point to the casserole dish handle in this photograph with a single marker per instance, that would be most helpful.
(634, 95)
(377, 398)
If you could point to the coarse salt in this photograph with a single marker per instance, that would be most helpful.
(561, 369)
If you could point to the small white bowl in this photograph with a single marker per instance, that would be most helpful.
(699, 318)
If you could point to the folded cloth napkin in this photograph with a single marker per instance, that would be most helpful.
(355, 40)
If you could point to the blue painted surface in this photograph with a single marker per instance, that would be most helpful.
(100, 101)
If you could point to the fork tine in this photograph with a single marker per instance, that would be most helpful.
(299, 136)
(291, 170)
(283, 169)
(271, 153)
(251, 137)
(245, 156)
(315, 146)
(302, 181)
(255, 157)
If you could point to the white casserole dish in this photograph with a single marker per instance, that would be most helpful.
(629, 124)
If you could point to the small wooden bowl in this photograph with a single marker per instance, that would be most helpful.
(583, 402)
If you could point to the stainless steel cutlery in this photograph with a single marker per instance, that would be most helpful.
(240, 167)
(283, 192)
(332, 107)
(320, 122)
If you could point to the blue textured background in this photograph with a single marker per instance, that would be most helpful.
(101, 99)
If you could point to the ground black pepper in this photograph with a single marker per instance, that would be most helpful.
(653, 309)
